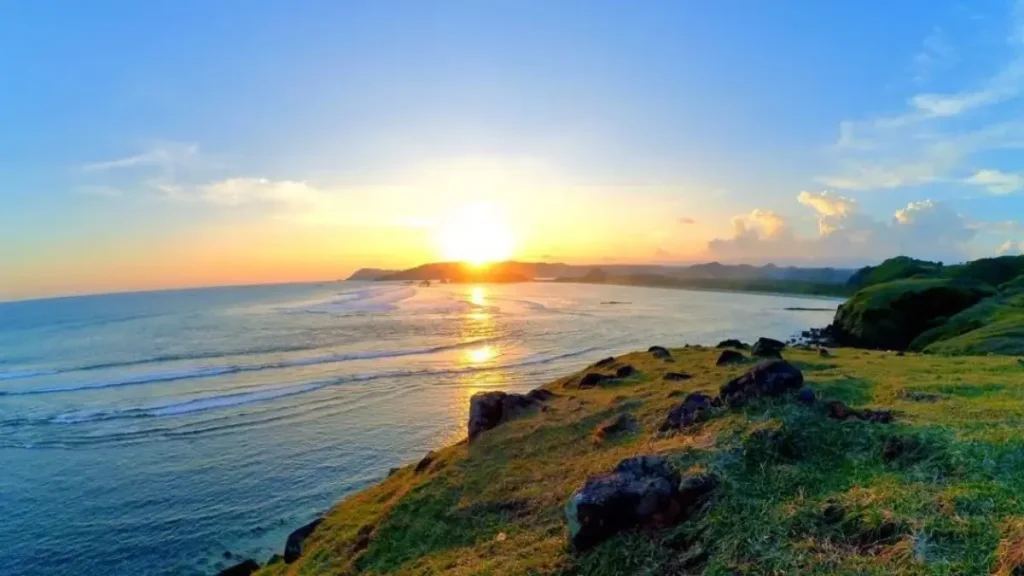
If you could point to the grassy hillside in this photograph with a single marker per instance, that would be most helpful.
(938, 491)
(992, 271)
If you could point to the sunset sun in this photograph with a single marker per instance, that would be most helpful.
(477, 234)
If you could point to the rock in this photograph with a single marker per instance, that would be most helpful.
(489, 409)
(876, 416)
(425, 463)
(732, 343)
(393, 471)
(893, 448)
(730, 357)
(625, 371)
(605, 362)
(246, 568)
(293, 547)
(592, 379)
(839, 411)
(772, 378)
(693, 488)
(694, 408)
(676, 376)
(824, 353)
(806, 396)
(541, 395)
(768, 348)
(660, 352)
(919, 396)
(624, 422)
(642, 492)
(901, 353)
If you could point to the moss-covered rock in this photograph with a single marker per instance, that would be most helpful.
(892, 315)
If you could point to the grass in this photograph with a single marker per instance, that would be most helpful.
(800, 493)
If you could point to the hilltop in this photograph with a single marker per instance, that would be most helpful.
(880, 464)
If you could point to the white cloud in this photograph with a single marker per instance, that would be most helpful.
(936, 53)
(925, 229)
(1010, 247)
(997, 182)
(927, 141)
(166, 155)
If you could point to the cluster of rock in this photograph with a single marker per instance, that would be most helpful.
(489, 409)
(292, 550)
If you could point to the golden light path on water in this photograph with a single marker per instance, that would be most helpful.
(478, 323)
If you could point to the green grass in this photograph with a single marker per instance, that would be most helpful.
(800, 493)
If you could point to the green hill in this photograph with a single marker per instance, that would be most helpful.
(933, 487)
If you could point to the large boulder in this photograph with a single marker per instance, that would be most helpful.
(246, 568)
(768, 348)
(660, 352)
(293, 546)
(732, 343)
(890, 316)
(693, 409)
(772, 378)
(641, 492)
(730, 357)
(489, 409)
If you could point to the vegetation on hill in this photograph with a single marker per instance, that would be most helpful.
(936, 491)
(893, 314)
(766, 285)
(898, 268)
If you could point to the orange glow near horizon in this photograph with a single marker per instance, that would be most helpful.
(478, 234)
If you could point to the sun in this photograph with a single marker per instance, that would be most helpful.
(477, 234)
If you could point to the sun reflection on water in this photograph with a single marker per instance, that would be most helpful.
(478, 296)
(481, 354)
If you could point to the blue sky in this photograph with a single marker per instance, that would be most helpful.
(152, 144)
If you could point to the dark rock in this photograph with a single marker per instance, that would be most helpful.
(393, 471)
(489, 409)
(833, 513)
(824, 353)
(363, 537)
(876, 416)
(274, 559)
(806, 396)
(893, 448)
(605, 362)
(676, 376)
(642, 492)
(541, 395)
(768, 348)
(839, 410)
(772, 378)
(622, 423)
(625, 371)
(425, 463)
(732, 343)
(592, 379)
(694, 408)
(293, 547)
(660, 352)
(693, 488)
(246, 568)
(730, 357)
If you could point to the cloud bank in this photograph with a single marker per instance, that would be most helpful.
(925, 229)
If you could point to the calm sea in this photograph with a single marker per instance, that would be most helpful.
(156, 433)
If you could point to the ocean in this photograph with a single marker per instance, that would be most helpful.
(179, 432)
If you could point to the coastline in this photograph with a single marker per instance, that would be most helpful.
(500, 500)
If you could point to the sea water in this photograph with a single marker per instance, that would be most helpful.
(178, 432)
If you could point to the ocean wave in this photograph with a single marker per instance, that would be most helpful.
(208, 371)
(376, 299)
(266, 394)
(18, 374)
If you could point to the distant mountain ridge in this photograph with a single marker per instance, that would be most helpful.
(525, 271)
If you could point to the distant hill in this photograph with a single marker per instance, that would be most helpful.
(370, 274)
(459, 272)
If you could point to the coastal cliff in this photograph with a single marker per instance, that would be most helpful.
(699, 460)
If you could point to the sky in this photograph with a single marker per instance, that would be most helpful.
(185, 143)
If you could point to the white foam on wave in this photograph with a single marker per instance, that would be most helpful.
(372, 300)
(183, 407)
(25, 374)
(208, 371)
